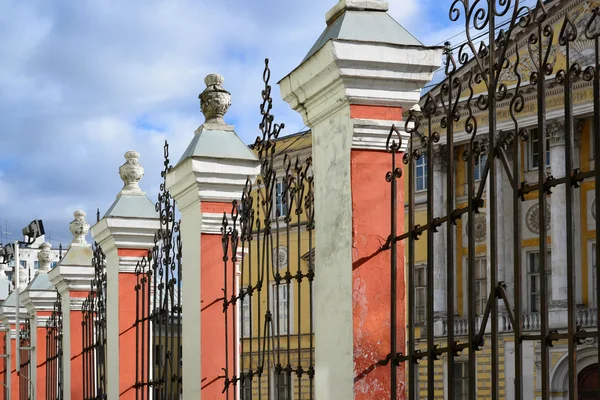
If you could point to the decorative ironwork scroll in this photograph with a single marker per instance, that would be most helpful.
(273, 356)
(93, 332)
(512, 55)
(54, 353)
(159, 307)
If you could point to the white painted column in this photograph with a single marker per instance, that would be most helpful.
(558, 225)
(72, 278)
(213, 170)
(440, 169)
(128, 228)
(330, 96)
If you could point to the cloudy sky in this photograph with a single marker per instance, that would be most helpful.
(81, 82)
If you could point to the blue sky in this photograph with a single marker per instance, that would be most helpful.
(82, 82)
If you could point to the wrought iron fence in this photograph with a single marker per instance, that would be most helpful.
(93, 331)
(504, 39)
(158, 306)
(25, 364)
(54, 352)
(273, 357)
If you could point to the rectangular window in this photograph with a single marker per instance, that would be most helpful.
(420, 293)
(534, 150)
(461, 380)
(593, 295)
(282, 386)
(36, 265)
(246, 391)
(480, 161)
(280, 208)
(481, 292)
(245, 316)
(534, 292)
(279, 301)
(421, 174)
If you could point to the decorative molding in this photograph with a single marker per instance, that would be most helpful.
(532, 218)
(76, 303)
(372, 134)
(214, 100)
(131, 173)
(280, 257)
(556, 132)
(213, 222)
(480, 227)
(79, 229)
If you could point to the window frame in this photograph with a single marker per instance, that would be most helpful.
(275, 384)
(421, 165)
(479, 166)
(420, 288)
(278, 203)
(275, 312)
(529, 275)
(531, 159)
(245, 303)
(461, 381)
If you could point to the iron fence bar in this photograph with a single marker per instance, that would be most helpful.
(430, 110)
(451, 116)
(543, 234)
(568, 34)
(409, 159)
(392, 177)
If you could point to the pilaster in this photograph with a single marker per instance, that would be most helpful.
(350, 92)
(210, 175)
(72, 278)
(125, 234)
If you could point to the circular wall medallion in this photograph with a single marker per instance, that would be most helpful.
(532, 218)
(280, 257)
(480, 227)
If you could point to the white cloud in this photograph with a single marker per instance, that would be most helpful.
(84, 81)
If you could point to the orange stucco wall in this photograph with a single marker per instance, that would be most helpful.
(76, 349)
(14, 378)
(213, 320)
(371, 201)
(385, 113)
(127, 349)
(2, 368)
(41, 358)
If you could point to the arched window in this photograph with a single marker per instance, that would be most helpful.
(589, 383)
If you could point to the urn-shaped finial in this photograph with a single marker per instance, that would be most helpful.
(45, 257)
(131, 173)
(215, 100)
(79, 228)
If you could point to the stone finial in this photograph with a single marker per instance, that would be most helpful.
(131, 173)
(45, 257)
(214, 101)
(79, 228)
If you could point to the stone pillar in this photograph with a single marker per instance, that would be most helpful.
(211, 174)
(125, 234)
(38, 299)
(352, 198)
(558, 223)
(72, 278)
(440, 169)
(9, 320)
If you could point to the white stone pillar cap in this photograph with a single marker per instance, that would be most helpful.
(356, 5)
(79, 228)
(45, 257)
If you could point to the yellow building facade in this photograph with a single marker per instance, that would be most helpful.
(584, 220)
(276, 329)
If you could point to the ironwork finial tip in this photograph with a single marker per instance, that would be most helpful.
(214, 100)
